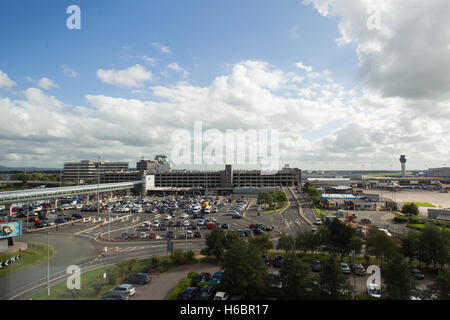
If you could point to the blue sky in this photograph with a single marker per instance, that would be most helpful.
(340, 93)
(203, 36)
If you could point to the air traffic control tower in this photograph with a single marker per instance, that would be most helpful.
(403, 161)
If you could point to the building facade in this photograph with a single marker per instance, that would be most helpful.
(91, 169)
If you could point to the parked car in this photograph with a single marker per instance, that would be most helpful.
(124, 288)
(143, 235)
(178, 224)
(125, 236)
(189, 293)
(197, 234)
(373, 290)
(417, 274)
(163, 227)
(189, 234)
(366, 221)
(170, 234)
(216, 277)
(186, 223)
(316, 266)
(266, 259)
(277, 260)
(258, 232)
(115, 296)
(224, 226)
(202, 277)
(60, 220)
(139, 278)
(358, 269)
(318, 222)
(206, 293)
(344, 267)
(221, 296)
(386, 232)
(155, 224)
(152, 235)
(77, 216)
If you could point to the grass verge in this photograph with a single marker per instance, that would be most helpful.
(28, 258)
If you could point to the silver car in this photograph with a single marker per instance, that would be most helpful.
(124, 288)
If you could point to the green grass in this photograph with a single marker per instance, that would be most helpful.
(420, 226)
(94, 286)
(277, 210)
(28, 258)
(422, 204)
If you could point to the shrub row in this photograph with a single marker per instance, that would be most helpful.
(182, 285)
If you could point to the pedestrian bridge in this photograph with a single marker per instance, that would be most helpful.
(9, 197)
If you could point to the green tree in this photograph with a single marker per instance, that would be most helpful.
(333, 283)
(380, 245)
(215, 243)
(410, 209)
(399, 284)
(286, 243)
(307, 241)
(264, 243)
(433, 246)
(244, 272)
(340, 238)
(441, 285)
(296, 277)
(410, 244)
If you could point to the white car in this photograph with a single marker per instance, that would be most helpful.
(124, 288)
(373, 290)
(186, 223)
(221, 296)
(168, 217)
(184, 215)
(143, 235)
(155, 224)
(386, 232)
(189, 234)
(318, 222)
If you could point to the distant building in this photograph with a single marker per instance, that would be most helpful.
(329, 182)
(439, 214)
(159, 164)
(438, 172)
(91, 169)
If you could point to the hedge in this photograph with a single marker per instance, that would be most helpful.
(182, 285)
(401, 219)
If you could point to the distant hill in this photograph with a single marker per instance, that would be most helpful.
(27, 169)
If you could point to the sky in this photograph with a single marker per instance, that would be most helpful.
(348, 84)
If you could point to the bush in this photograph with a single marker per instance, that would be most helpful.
(202, 284)
(192, 275)
(401, 219)
(181, 286)
(180, 257)
(410, 209)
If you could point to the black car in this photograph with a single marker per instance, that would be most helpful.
(162, 227)
(417, 274)
(258, 232)
(77, 216)
(139, 278)
(204, 276)
(178, 224)
(170, 235)
(366, 221)
(266, 259)
(41, 224)
(316, 266)
(206, 293)
(224, 226)
(171, 224)
(189, 293)
(277, 261)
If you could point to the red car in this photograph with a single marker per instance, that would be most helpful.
(3, 219)
(33, 219)
(152, 235)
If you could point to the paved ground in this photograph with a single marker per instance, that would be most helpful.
(162, 284)
(440, 200)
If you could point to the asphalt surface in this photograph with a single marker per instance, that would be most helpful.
(78, 244)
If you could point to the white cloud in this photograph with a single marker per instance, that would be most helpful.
(175, 66)
(70, 72)
(300, 65)
(133, 77)
(149, 60)
(161, 48)
(5, 81)
(46, 83)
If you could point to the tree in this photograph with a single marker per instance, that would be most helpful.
(380, 245)
(215, 243)
(296, 277)
(286, 243)
(410, 244)
(399, 283)
(410, 209)
(340, 237)
(333, 284)
(434, 246)
(442, 285)
(263, 243)
(307, 241)
(244, 272)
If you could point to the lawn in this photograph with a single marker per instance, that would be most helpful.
(277, 210)
(28, 258)
(422, 204)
